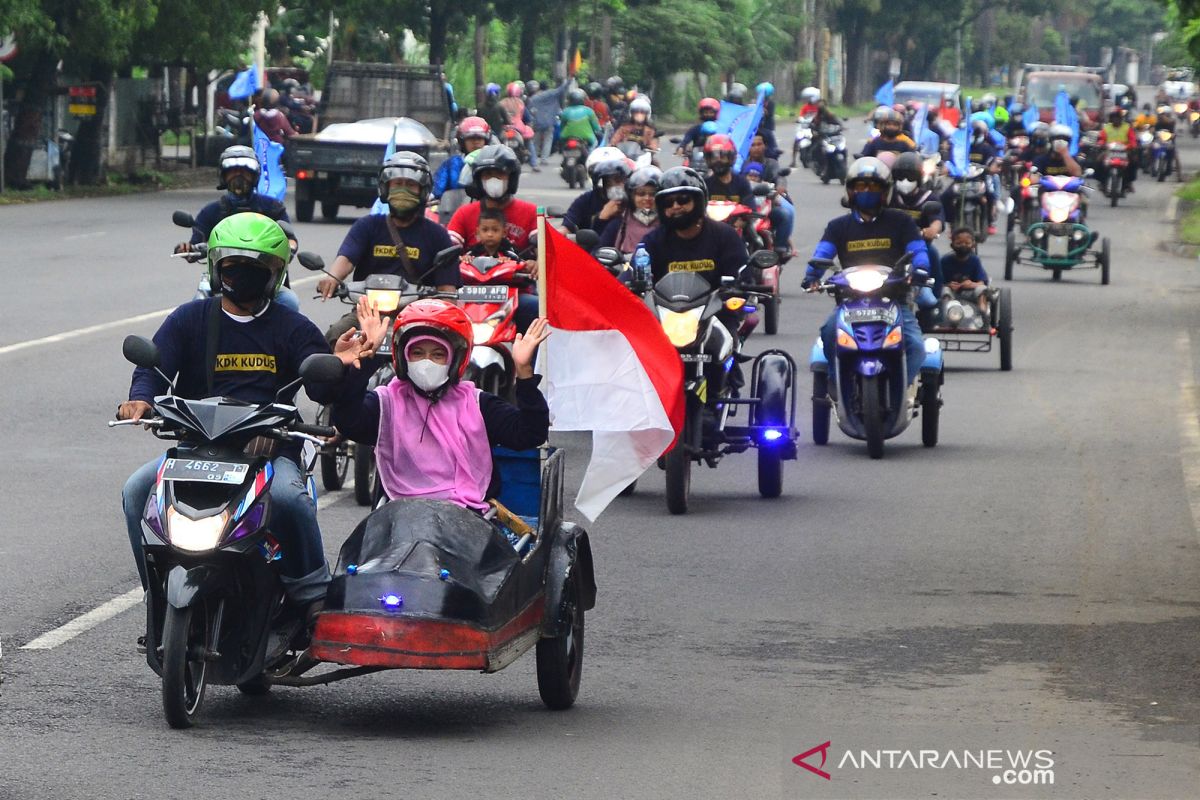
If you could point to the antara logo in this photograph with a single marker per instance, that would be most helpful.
(823, 749)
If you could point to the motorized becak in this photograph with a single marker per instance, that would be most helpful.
(960, 326)
(1061, 240)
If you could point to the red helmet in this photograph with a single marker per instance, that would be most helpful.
(710, 104)
(515, 89)
(437, 318)
(720, 143)
(473, 127)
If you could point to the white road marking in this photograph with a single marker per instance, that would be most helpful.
(1189, 426)
(85, 235)
(123, 602)
(105, 326)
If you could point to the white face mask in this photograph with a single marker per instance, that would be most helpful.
(428, 376)
(906, 187)
(616, 193)
(645, 215)
(495, 188)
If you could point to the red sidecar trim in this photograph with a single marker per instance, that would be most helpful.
(400, 642)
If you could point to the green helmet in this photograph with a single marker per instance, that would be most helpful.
(252, 236)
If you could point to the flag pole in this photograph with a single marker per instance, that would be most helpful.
(541, 260)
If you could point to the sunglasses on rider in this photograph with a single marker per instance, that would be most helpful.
(676, 200)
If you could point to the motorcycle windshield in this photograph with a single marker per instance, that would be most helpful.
(215, 417)
(682, 290)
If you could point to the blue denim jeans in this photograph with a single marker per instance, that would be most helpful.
(914, 342)
(783, 220)
(287, 298)
(543, 141)
(293, 523)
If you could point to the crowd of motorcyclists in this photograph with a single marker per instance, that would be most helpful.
(433, 432)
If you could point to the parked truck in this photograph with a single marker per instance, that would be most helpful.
(360, 109)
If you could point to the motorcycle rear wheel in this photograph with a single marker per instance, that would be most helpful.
(771, 315)
(931, 408)
(560, 658)
(184, 679)
(820, 408)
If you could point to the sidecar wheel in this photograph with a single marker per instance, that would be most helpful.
(560, 658)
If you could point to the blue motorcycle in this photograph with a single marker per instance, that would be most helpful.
(867, 388)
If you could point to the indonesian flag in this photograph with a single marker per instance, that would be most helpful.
(609, 369)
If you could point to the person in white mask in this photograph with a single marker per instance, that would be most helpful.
(640, 216)
(433, 432)
(495, 175)
(609, 169)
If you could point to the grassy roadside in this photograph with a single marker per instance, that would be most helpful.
(1189, 212)
(117, 185)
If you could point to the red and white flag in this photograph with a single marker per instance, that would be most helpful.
(608, 368)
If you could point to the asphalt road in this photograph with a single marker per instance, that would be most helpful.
(1033, 583)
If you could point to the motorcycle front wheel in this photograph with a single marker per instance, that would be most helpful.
(185, 640)
(679, 479)
(871, 397)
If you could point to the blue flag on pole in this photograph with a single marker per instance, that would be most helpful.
(1030, 118)
(740, 123)
(918, 122)
(886, 95)
(380, 207)
(245, 83)
(271, 181)
(1065, 114)
(959, 148)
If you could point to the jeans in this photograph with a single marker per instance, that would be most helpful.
(288, 299)
(543, 140)
(303, 570)
(914, 342)
(783, 219)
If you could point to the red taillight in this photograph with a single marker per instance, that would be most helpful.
(572, 143)
(303, 174)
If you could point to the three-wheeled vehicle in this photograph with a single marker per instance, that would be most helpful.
(961, 327)
(1061, 240)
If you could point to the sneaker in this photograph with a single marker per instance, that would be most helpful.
(535, 169)
(991, 230)
(141, 645)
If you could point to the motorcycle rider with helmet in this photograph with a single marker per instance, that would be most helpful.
(891, 138)
(513, 104)
(259, 346)
(492, 111)
(708, 110)
(595, 102)
(579, 121)
(449, 189)
(810, 96)
(872, 233)
(637, 127)
(433, 432)
(614, 89)
(270, 120)
(767, 90)
(720, 153)
(609, 169)
(627, 230)
(239, 172)
(402, 242)
(1118, 130)
(913, 194)
(495, 176)
(783, 213)
(685, 239)
(1058, 160)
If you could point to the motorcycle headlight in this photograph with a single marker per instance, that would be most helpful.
(865, 280)
(1164, 136)
(195, 535)
(1059, 204)
(385, 300)
(680, 326)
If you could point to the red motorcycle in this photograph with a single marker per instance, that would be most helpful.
(489, 295)
(754, 224)
(1116, 161)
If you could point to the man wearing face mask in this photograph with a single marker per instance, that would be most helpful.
(872, 234)
(495, 176)
(723, 183)
(240, 344)
(686, 240)
(609, 169)
(891, 138)
(402, 242)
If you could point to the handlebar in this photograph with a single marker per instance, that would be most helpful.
(314, 430)
(151, 422)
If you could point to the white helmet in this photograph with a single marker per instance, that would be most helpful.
(811, 94)
(603, 154)
(640, 103)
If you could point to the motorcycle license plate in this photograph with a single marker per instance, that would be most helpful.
(867, 315)
(357, 181)
(483, 294)
(1057, 246)
(188, 469)
(695, 358)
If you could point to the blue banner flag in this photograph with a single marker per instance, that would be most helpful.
(740, 123)
(271, 182)
(959, 147)
(918, 122)
(886, 95)
(380, 207)
(245, 83)
(1030, 118)
(1065, 114)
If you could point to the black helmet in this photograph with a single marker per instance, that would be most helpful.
(239, 156)
(643, 176)
(676, 181)
(595, 90)
(908, 175)
(614, 85)
(405, 164)
(532, 88)
(496, 156)
(576, 97)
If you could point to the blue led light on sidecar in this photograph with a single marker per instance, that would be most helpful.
(391, 602)
(772, 435)
(444, 574)
(352, 569)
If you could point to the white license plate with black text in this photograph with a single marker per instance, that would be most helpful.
(196, 469)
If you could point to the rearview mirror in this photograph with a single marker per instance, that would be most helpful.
(555, 211)
(762, 189)
(310, 261)
(676, 139)
(784, 172)
(183, 219)
(322, 368)
(764, 259)
(608, 256)
(821, 263)
(450, 253)
(141, 352)
(288, 230)
(587, 239)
